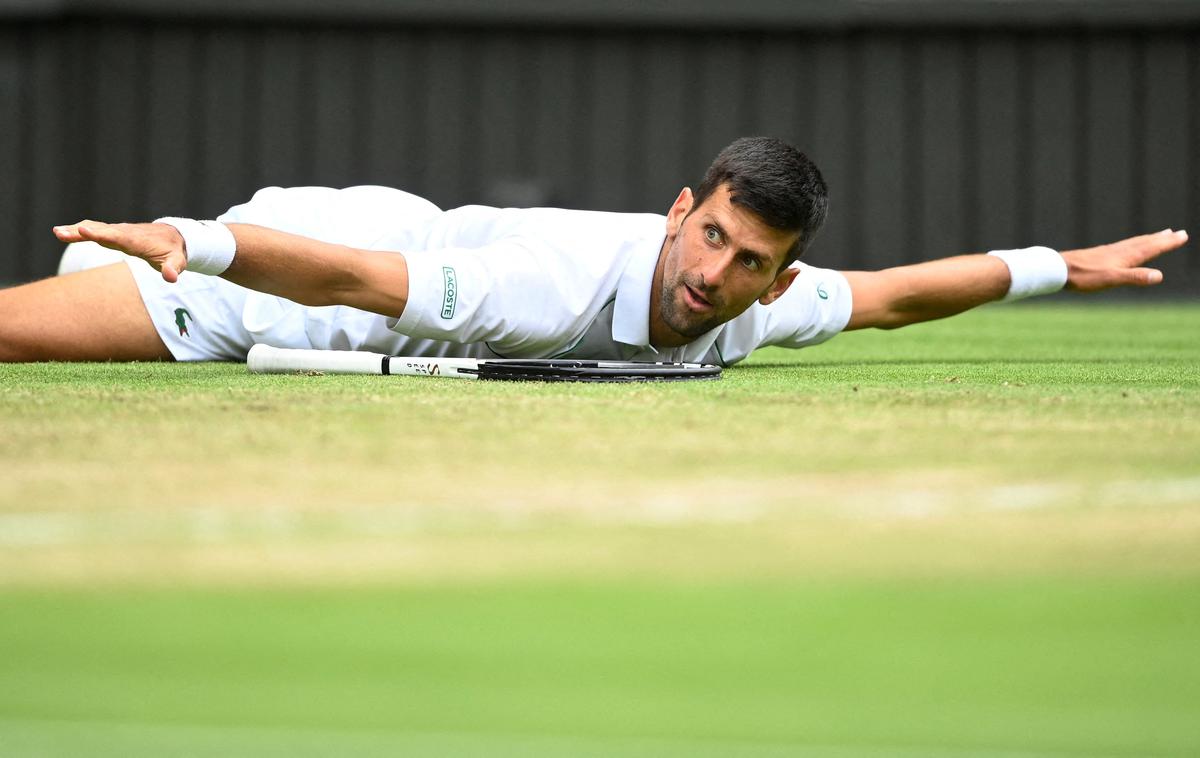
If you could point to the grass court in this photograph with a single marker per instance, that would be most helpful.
(966, 539)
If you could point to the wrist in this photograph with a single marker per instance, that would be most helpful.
(1033, 271)
(209, 245)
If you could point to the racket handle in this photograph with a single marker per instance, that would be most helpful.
(264, 359)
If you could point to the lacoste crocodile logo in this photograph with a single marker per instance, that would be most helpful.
(179, 322)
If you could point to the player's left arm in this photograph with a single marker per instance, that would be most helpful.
(904, 295)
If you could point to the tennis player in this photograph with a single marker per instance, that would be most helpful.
(372, 268)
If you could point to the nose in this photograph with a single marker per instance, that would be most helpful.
(713, 269)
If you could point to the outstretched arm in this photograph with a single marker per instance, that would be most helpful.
(904, 295)
(300, 269)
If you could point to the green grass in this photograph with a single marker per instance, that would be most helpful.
(979, 537)
(966, 668)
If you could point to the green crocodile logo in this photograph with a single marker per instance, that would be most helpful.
(179, 322)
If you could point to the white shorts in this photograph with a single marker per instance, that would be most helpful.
(199, 318)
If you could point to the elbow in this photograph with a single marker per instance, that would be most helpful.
(340, 285)
(896, 323)
(893, 318)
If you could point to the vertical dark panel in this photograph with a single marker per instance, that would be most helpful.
(556, 160)
(49, 174)
(780, 80)
(666, 168)
(170, 130)
(832, 104)
(1193, 219)
(225, 176)
(79, 110)
(998, 144)
(451, 121)
(396, 89)
(884, 204)
(1165, 179)
(726, 110)
(12, 128)
(943, 218)
(339, 113)
(637, 197)
(616, 126)
(1055, 130)
(504, 105)
(532, 187)
(1109, 129)
(119, 111)
(282, 153)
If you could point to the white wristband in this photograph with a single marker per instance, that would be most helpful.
(210, 245)
(1034, 271)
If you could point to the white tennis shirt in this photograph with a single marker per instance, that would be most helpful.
(520, 283)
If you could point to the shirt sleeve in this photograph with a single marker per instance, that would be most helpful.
(515, 294)
(815, 308)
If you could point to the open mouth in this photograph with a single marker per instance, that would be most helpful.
(695, 300)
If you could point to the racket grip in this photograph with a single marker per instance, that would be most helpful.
(264, 359)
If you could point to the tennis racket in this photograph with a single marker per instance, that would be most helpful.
(264, 359)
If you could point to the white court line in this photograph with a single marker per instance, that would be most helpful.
(656, 507)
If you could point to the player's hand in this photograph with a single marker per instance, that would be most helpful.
(160, 245)
(1121, 263)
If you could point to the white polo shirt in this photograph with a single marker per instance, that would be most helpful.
(521, 283)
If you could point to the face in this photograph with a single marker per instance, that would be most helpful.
(718, 259)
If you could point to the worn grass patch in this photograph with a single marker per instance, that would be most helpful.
(1074, 433)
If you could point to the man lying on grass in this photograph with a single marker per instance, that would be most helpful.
(371, 268)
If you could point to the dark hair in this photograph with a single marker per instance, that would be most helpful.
(775, 181)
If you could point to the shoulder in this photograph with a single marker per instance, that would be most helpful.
(814, 308)
(818, 284)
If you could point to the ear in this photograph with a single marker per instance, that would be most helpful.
(779, 286)
(679, 211)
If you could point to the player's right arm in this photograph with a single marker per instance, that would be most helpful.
(301, 269)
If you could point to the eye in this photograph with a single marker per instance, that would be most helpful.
(712, 234)
(750, 262)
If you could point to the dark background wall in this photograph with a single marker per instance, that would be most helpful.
(941, 126)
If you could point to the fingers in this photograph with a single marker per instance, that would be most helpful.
(1144, 277)
(94, 231)
(72, 232)
(67, 233)
(160, 245)
(1168, 239)
(1150, 246)
(173, 266)
(107, 235)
